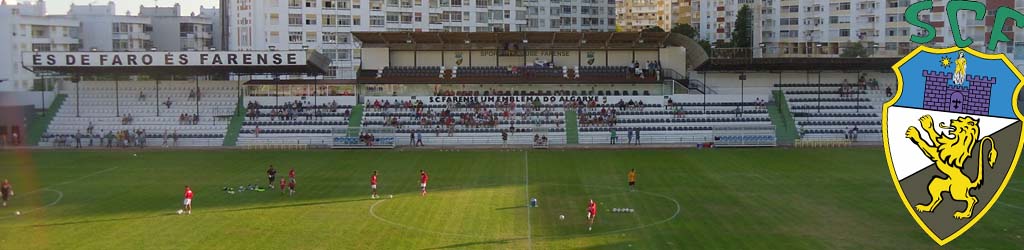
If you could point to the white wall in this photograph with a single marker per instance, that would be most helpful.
(19, 98)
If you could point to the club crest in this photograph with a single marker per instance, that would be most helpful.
(952, 135)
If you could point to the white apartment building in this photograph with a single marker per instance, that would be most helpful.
(26, 28)
(172, 31)
(326, 25)
(824, 28)
(569, 15)
(636, 15)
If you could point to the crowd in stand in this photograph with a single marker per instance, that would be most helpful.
(110, 139)
(186, 119)
(127, 119)
(477, 115)
(651, 69)
(863, 83)
(13, 139)
(293, 110)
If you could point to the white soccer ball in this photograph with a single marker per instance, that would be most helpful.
(631, 210)
(391, 196)
(134, 155)
(561, 217)
(17, 212)
(615, 210)
(180, 211)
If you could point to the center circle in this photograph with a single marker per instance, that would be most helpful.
(458, 207)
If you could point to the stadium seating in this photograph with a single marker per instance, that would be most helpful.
(309, 124)
(725, 123)
(471, 125)
(99, 104)
(827, 114)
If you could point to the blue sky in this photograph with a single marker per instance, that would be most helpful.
(60, 7)
(1002, 92)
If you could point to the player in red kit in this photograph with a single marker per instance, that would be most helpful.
(187, 205)
(291, 175)
(591, 214)
(283, 185)
(291, 187)
(6, 190)
(423, 182)
(373, 185)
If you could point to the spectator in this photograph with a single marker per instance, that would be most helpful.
(168, 102)
(629, 136)
(419, 138)
(637, 133)
(613, 137)
(888, 91)
(504, 138)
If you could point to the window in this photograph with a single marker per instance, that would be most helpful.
(844, 32)
(295, 4)
(273, 19)
(329, 37)
(330, 20)
(294, 19)
(376, 21)
(392, 17)
(275, 37)
(789, 21)
(311, 3)
(790, 9)
(344, 20)
(311, 19)
(357, 20)
(311, 37)
(294, 37)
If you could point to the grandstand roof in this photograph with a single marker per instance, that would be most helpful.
(534, 40)
(167, 63)
(798, 64)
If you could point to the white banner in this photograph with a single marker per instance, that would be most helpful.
(143, 59)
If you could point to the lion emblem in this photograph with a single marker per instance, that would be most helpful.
(949, 152)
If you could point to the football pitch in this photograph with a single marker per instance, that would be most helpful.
(687, 199)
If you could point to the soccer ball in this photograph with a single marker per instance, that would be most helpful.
(615, 210)
(134, 155)
(561, 217)
(391, 196)
(180, 211)
(17, 212)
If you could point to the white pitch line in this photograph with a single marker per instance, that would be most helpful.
(529, 225)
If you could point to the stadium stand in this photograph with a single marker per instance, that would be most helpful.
(838, 111)
(465, 123)
(685, 119)
(294, 120)
(98, 111)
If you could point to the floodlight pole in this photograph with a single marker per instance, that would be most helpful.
(42, 94)
(117, 96)
(157, 96)
(197, 94)
(78, 99)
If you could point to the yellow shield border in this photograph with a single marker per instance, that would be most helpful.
(888, 154)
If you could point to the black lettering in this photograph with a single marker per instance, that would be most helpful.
(131, 60)
(292, 58)
(69, 59)
(247, 59)
(203, 58)
(261, 59)
(37, 59)
(232, 59)
(147, 59)
(277, 59)
(85, 60)
(51, 59)
(103, 59)
(217, 60)
(183, 59)
(168, 59)
(116, 60)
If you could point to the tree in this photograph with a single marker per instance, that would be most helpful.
(855, 50)
(705, 45)
(653, 29)
(741, 34)
(685, 29)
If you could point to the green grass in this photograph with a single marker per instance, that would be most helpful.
(41, 123)
(355, 120)
(572, 132)
(235, 127)
(729, 199)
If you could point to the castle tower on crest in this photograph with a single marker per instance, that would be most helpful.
(972, 97)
